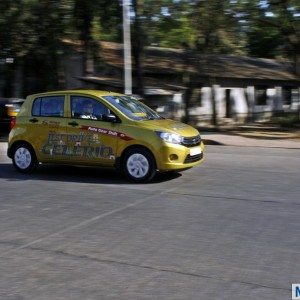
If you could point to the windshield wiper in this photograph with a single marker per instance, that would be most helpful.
(153, 118)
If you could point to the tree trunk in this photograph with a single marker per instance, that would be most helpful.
(188, 83)
(187, 100)
(297, 63)
(86, 39)
(214, 118)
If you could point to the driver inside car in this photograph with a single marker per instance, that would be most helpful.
(88, 109)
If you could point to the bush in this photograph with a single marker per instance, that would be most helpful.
(290, 120)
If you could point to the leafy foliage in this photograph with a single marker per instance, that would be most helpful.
(33, 31)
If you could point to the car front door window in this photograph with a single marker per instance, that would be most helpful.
(88, 108)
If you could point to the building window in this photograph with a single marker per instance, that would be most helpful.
(196, 99)
(261, 96)
(287, 95)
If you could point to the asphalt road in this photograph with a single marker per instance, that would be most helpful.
(228, 229)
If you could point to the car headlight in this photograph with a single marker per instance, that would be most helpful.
(169, 137)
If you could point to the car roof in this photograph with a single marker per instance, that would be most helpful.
(97, 93)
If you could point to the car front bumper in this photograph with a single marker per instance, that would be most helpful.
(177, 157)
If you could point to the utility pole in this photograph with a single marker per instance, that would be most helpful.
(127, 48)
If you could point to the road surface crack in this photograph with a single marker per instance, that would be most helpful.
(170, 270)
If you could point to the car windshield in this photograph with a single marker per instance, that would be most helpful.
(133, 108)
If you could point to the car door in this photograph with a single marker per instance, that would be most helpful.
(91, 139)
(48, 128)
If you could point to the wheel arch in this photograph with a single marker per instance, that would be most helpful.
(135, 146)
(10, 150)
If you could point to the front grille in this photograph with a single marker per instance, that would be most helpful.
(194, 158)
(191, 141)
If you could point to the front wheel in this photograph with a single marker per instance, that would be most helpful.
(24, 158)
(139, 165)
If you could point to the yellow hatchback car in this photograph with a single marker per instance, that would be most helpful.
(97, 128)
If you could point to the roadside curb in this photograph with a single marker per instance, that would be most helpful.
(212, 142)
(220, 139)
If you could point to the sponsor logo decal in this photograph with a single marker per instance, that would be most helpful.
(63, 144)
(120, 135)
(51, 124)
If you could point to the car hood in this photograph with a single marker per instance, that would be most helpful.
(171, 126)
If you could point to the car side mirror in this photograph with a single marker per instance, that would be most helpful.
(110, 118)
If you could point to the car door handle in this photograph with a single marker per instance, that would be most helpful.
(34, 120)
(73, 123)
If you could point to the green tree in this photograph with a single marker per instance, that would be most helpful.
(215, 30)
(273, 28)
(84, 11)
(94, 21)
(10, 41)
(34, 40)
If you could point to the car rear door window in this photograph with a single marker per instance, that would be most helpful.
(51, 106)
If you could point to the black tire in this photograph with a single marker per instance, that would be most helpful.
(24, 158)
(139, 165)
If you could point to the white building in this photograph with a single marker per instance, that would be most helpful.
(235, 88)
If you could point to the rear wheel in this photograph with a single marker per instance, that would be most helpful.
(139, 165)
(24, 158)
